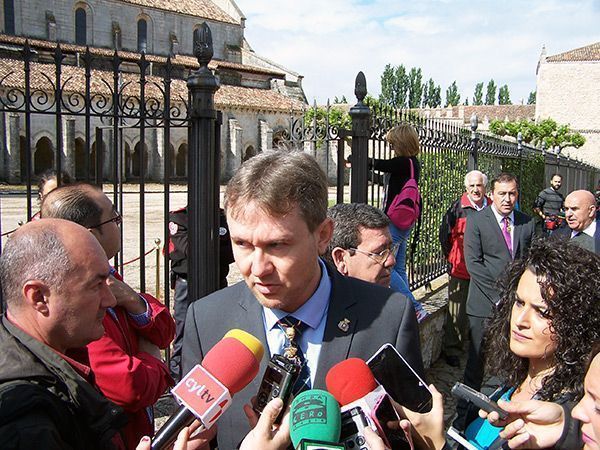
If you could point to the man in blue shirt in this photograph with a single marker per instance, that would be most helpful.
(276, 207)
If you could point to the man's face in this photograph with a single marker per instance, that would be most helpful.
(556, 182)
(108, 234)
(475, 188)
(80, 304)
(580, 211)
(359, 264)
(505, 197)
(278, 256)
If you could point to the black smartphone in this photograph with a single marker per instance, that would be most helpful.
(480, 400)
(400, 380)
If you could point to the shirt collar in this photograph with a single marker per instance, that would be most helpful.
(474, 205)
(590, 230)
(500, 217)
(311, 313)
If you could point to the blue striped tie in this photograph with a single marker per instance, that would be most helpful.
(293, 329)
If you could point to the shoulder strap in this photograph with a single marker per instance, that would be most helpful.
(412, 169)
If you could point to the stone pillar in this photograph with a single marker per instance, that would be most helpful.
(157, 167)
(265, 134)
(13, 147)
(153, 156)
(68, 150)
(234, 152)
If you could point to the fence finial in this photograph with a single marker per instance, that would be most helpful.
(203, 44)
(360, 87)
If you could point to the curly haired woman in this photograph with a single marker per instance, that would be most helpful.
(545, 323)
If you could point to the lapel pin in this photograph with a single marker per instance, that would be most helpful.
(344, 325)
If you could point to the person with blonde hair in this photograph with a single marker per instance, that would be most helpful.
(404, 141)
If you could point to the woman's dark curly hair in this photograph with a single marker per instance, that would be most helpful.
(568, 277)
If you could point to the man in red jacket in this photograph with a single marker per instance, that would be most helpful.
(452, 230)
(126, 360)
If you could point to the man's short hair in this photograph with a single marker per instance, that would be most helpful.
(38, 254)
(348, 219)
(75, 203)
(556, 175)
(477, 173)
(504, 177)
(277, 181)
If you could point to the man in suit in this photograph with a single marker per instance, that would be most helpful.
(494, 237)
(583, 229)
(276, 206)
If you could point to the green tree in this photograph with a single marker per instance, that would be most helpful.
(452, 95)
(415, 87)
(466, 101)
(547, 131)
(490, 93)
(478, 94)
(504, 96)
(435, 96)
(424, 102)
(394, 86)
(531, 99)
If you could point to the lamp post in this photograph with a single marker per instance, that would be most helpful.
(472, 163)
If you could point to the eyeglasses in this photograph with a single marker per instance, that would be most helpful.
(380, 257)
(117, 220)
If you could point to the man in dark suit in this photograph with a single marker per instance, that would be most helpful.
(276, 207)
(494, 237)
(583, 229)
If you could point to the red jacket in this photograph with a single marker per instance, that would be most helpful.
(452, 234)
(131, 378)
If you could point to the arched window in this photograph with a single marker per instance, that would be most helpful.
(142, 40)
(80, 27)
(9, 16)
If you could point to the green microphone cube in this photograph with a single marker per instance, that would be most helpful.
(306, 444)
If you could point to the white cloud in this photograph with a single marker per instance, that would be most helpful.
(329, 41)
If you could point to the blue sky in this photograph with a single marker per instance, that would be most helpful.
(329, 41)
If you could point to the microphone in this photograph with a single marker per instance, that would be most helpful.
(363, 400)
(206, 391)
(315, 421)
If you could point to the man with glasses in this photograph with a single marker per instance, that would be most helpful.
(362, 247)
(126, 360)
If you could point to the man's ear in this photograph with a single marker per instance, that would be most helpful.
(36, 294)
(324, 233)
(338, 255)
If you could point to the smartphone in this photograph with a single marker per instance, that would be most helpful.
(462, 440)
(400, 380)
(480, 400)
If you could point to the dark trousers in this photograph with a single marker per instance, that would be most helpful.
(456, 327)
(474, 369)
(180, 309)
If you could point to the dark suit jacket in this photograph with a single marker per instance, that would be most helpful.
(583, 240)
(377, 316)
(487, 256)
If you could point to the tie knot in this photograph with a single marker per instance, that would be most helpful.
(291, 326)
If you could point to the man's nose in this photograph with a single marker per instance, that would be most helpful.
(261, 264)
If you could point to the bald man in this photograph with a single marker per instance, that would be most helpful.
(54, 278)
(580, 212)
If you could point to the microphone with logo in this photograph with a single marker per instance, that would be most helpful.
(206, 391)
(315, 421)
(364, 403)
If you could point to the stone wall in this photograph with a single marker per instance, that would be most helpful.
(103, 14)
(568, 92)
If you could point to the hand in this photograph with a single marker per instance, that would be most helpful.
(374, 442)
(538, 424)
(427, 428)
(183, 441)
(126, 297)
(265, 435)
(144, 345)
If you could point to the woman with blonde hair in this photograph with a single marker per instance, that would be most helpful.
(404, 142)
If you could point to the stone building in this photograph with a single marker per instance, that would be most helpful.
(257, 96)
(568, 91)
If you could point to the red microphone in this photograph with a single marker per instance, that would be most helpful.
(353, 385)
(206, 391)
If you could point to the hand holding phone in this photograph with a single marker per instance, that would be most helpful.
(480, 400)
